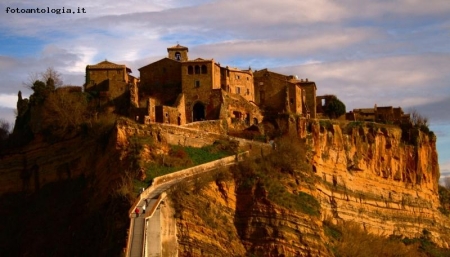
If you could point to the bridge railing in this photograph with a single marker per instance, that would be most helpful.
(187, 173)
(176, 175)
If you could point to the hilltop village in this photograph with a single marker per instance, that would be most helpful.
(178, 90)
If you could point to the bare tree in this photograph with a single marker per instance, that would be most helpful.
(64, 111)
(447, 182)
(418, 119)
(4, 129)
(51, 73)
(44, 76)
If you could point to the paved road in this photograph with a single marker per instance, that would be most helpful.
(139, 232)
(137, 239)
(153, 235)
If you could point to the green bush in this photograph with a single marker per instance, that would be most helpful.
(350, 240)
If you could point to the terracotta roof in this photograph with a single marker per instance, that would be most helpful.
(178, 47)
(364, 110)
(199, 60)
(106, 65)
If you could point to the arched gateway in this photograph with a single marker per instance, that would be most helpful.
(198, 112)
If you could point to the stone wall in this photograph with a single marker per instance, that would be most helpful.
(240, 83)
(189, 172)
(270, 90)
(295, 99)
(310, 96)
(197, 86)
(210, 126)
(160, 80)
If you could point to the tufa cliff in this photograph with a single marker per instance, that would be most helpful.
(280, 202)
(285, 203)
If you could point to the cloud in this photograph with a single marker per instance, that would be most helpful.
(9, 101)
(311, 44)
(399, 81)
(8, 115)
(445, 172)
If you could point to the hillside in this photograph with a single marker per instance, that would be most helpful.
(364, 183)
(297, 200)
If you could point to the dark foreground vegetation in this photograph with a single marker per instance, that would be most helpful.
(349, 240)
(62, 219)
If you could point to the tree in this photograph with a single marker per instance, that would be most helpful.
(418, 119)
(4, 129)
(334, 108)
(64, 112)
(52, 74)
(44, 76)
(447, 182)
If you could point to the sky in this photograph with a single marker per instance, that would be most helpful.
(367, 52)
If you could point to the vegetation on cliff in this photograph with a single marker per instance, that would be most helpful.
(334, 108)
(263, 190)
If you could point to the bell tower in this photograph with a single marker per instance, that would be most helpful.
(178, 53)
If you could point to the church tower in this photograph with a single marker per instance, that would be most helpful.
(178, 53)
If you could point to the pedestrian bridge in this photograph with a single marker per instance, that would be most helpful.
(144, 235)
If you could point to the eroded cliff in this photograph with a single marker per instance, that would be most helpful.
(364, 173)
(371, 176)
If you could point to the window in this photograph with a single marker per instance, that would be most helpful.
(238, 90)
(204, 70)
(197, 83)
(190, 70)
(248, 91)
(178, 56)
(291, 100)
(197, 69)
(261, 83)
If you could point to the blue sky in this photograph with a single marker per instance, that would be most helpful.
(394, 52)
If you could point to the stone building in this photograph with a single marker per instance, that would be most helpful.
(179, 90)
(110, 84)
(280, 93)
(110, 79)
(384, 114)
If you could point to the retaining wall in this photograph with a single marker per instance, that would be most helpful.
(187, 173)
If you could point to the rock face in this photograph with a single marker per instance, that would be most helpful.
(363, 173)
(224, 221)
(369, 175)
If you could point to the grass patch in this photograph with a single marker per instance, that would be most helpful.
(349, 239)
(178, 158)
(277, 175)
(444, 198)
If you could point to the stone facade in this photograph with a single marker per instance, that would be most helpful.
(112, 86)
(384, 114)
(160, 80)
(209, 91)
(177, 90)
(279, 93)
(108, 79)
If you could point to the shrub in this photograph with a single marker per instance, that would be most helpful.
(334, 108)
(351, 240)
